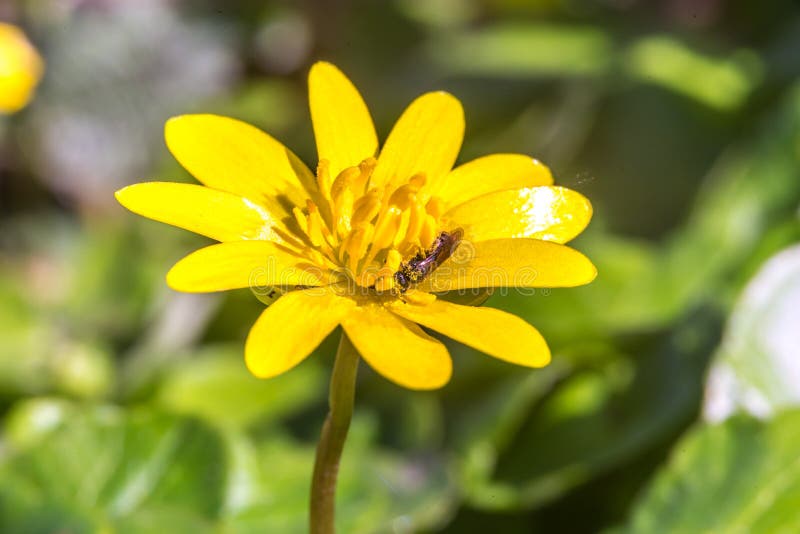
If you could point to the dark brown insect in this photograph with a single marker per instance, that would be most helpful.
(423, 264)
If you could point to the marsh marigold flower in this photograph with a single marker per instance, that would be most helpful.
(372, 239)
(21, 68)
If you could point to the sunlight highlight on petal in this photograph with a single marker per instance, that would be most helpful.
(550, 213)
(488, 174)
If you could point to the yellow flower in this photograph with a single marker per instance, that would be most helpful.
(20, 69)
(334, 241)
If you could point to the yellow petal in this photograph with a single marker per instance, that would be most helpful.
(489, 330)
(343, 126)
(426, 139)
(488, 174)
(398, 349)
(233, 156)
(511, 263)
(551, 213)
(289, 330)
(205, 211)
(254, 264)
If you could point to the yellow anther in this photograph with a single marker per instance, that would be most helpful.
(317, 231)
(350, 246)
(384, 284)
(324, 178)
(344, 207)
(415, 222)
(366, 209)
(418, 181)
(428, 232)
(393, 260)
(314, 212)
(301, 219)
(342, 198)
(343, 181)
(291, 240)
(366, 167)
(403, 197)
(367, 279)
(366, 231)
(435, 207)
(369, 235)
(414, 296)
(356, 244)
(409, 249)
(316, 256)
(402, 228)
(388, 223)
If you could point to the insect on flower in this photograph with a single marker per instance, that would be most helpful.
(365, 240)
(420, 266)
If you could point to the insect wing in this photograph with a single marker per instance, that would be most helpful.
(449, 243)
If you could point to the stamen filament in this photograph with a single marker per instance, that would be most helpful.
(367, 231)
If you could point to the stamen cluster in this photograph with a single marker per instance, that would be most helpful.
(364, 228)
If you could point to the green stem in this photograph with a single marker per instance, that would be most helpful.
(331, 441)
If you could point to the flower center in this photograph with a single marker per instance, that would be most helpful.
(367, 229)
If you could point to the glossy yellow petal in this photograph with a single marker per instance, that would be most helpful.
(397, 348)
(511, 263)
(233, 156)
(551, 213)
(21, 68)
(343, 126)
(254, 264)
(489, 330)
(289, 330)
(426, 139)
(205, 211)
(488, 174)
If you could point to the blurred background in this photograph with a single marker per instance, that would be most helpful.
(670, 403)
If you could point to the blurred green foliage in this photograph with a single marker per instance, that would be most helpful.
(739, 476)
(127, 407)
(100, 468)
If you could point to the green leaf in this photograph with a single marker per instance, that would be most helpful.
(548, 437)
(38, 354)
(377, 492)
(136, 471)
(748, 192)
(758, 364)
(642, 287)
(721, 83)
(740, 476)
(105, 467)
(549, 50)
(627, 296)
(215, 384)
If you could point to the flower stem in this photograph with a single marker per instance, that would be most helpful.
(334, 433)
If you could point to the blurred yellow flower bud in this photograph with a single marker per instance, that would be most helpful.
(21, 68)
